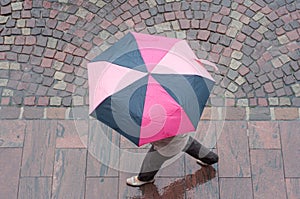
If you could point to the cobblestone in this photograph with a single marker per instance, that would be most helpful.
(33, 113)
(55, 101)
(240, 36)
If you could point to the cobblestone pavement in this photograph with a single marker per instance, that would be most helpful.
(45, 46)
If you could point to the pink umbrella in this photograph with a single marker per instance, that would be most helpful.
(148, 88)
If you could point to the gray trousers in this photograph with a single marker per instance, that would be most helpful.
(154, 160)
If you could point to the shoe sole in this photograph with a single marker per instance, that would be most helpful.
(202, 163)
(140, 184)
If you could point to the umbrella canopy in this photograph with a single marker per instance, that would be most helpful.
(148, 87)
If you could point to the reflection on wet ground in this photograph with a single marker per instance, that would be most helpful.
(178, 188)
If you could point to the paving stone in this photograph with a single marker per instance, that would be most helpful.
(5, 2)
(268, 87)
(99, 186)
(77, 100)
(276, 62)
(184, 6)
(224, 40)
(286, 69)
(287, 27)
(78, 113)
(5, 100)
(294, 55)
(280, 92)
(184, 24)
(70, 134)
(296, 89)
(237, 55)
(20, 40)
(51, 92)
(94, 165)
(235, 187)
(189, 14)
(284, 101)
(35, 187)
(221, 29)
(9, 113)
(42, 101)
(292, 35)
(232, 32)
(291, 186)
(16, 6)
(289, 79)
(286, 113)
(10, 162)
(6, 10)
(262, 102)
(295, 24)
(204, 24)
(7, 92)
(23, 58)
(226, 3)
(226, 20)
(225, 82)
(55, 101)
(17, 99)
(4, 65)
(12, 84)
(240, 80)
(259, 113)
(283, 39)
(235, 152)
(278, 23)
(232, 74)
(247, 30)
(270, 35)
(284, 59)
(235, 113)
(39, 142)
(242, 103)
(29, 101)
(267, 166)
(236, 24)
(235, 15)
(214, 38)
(12, 133)
(33, 113)
(69, 173)
(264, 135)
(203, 35)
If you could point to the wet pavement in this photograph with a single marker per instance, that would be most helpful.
(55, 159)
(50, 148)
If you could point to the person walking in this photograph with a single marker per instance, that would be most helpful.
(164, 150)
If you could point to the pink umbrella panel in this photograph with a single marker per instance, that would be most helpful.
(148, 88)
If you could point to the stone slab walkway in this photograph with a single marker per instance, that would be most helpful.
(57, 159)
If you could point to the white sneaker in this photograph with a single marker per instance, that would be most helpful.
(202, 163)
(209, 159)
(135, 182)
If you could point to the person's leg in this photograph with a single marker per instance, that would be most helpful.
(200, 152)
(151, 165)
